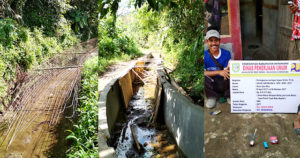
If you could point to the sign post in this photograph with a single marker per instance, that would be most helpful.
(264, 86)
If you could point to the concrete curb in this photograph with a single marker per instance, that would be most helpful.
(103, 128)
(184, 120)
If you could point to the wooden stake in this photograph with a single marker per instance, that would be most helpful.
(138, 76)
(157, 100)
(134, 137)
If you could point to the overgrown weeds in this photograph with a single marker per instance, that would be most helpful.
(25, 48)
(84, 133)
(113, 42)
(113, 46)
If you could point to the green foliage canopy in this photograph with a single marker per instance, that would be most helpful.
(112, 40)
(32, 31)
(176, 27)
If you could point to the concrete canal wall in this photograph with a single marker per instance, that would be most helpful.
(184, 119)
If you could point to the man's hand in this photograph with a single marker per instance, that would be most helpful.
(225, 74)
(293, 8)
(228, 65)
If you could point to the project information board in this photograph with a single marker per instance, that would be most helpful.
(264, 86)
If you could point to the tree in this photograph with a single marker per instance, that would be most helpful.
(181, 34)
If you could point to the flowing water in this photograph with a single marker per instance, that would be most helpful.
(154, 141)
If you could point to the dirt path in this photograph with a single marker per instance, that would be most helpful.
(226, 134)
(113, 72)
(36, 126)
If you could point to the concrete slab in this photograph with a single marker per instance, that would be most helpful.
(126, 86)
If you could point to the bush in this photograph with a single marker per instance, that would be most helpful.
(20, 46)
(113, 42)
(84, 135)
(176, 30)
(10, 34)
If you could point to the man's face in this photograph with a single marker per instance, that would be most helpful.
(213, 43)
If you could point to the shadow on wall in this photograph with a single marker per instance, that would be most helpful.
(114, 103)
(184, 120)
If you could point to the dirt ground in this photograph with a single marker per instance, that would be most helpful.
(226, 134)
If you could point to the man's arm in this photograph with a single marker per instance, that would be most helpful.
(293, 8)
(228, 65)
(224, 73)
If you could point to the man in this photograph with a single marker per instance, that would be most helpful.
(295, 45)
(294, 50)
(216, 70)
(295, 9)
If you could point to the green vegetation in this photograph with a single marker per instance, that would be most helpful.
(33, 31)
(25, 48)
(112, 42)
(84, 134)
(113, 46)
(184, 44)
(175, 29)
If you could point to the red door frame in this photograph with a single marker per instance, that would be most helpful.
(235, 29)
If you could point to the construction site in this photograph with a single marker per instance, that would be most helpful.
(41, 105)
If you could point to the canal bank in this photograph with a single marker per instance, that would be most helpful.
(183, 119)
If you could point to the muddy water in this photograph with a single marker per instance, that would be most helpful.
(30, 134)
(153, 141)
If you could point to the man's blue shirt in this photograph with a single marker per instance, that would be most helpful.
(209, 64)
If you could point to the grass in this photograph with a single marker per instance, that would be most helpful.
(113, 46)
(187, 65)
(84, 133)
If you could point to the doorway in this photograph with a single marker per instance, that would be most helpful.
(251, 14)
